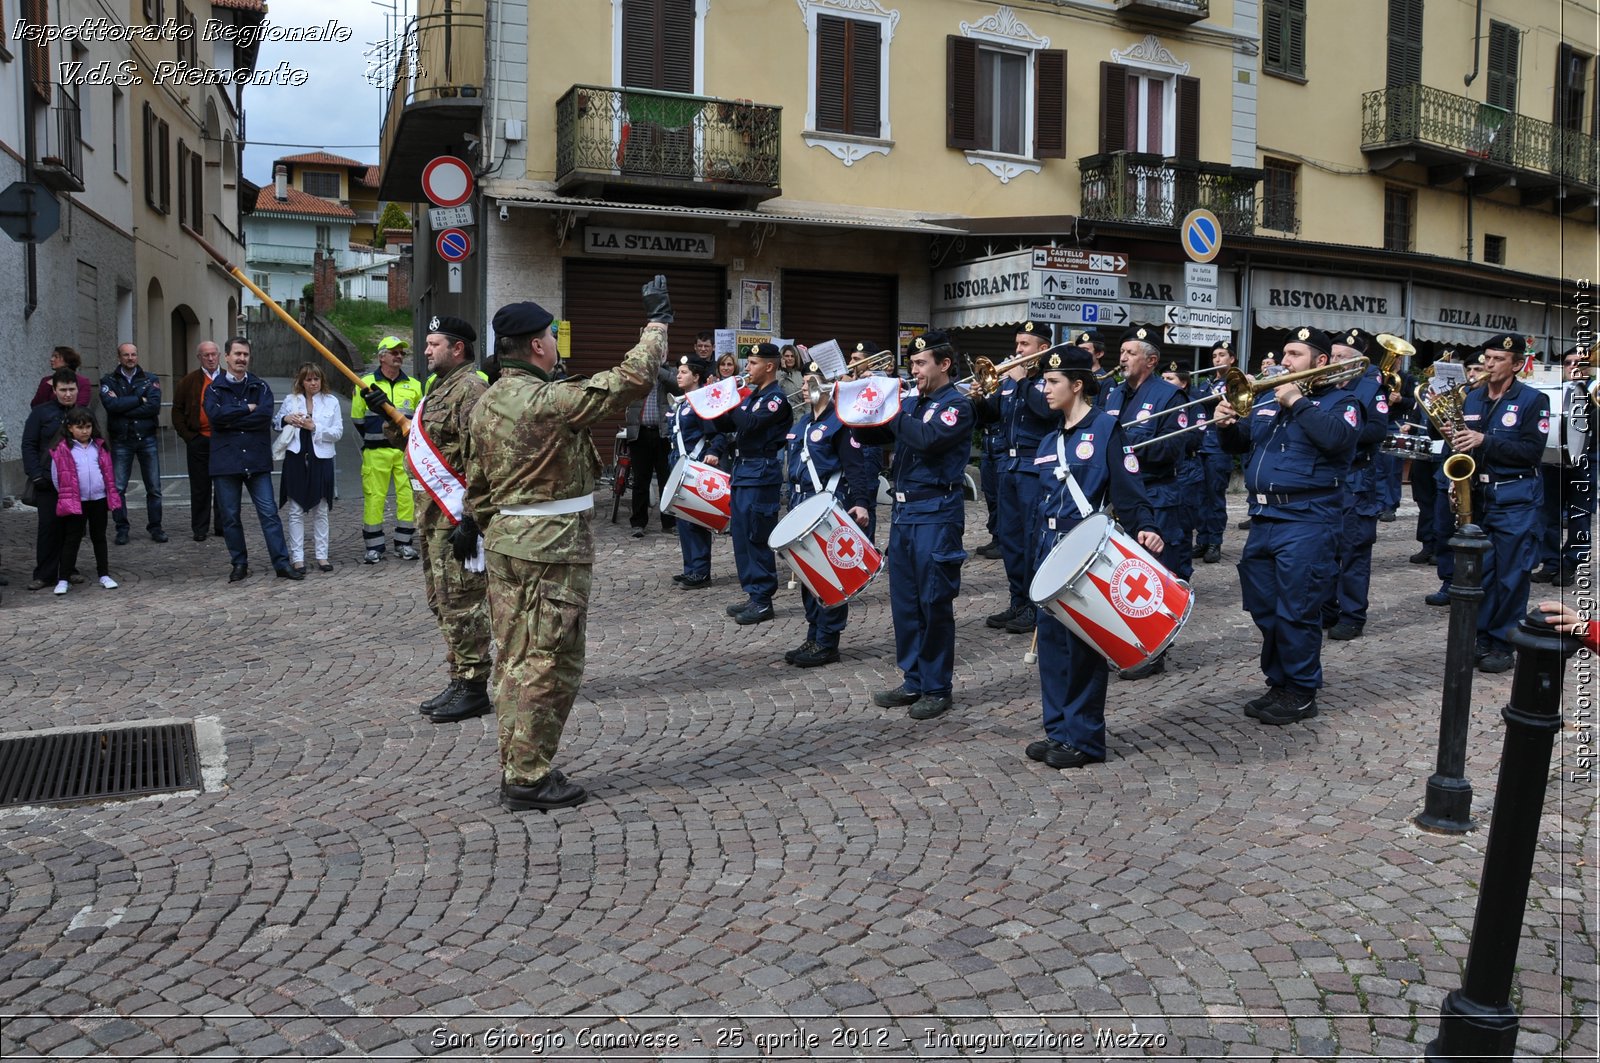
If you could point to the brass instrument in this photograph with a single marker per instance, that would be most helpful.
(1444, 410)
(985, 378)
(873, 363)
(1241, 391)
(1458, 469)
(1394, 349)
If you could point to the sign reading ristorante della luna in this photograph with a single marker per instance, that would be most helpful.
(660, 243)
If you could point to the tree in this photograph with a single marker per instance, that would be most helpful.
(392, 218)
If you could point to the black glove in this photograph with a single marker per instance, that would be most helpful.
(464, 539)
(657, 304)
(375, 400)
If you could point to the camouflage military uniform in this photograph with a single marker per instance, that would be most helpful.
(530, 444)
(455, 596)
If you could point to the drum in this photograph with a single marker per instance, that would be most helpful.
(828, 553)
(698, 493)
(1415, 447)
(1553, 440)
(1112, 593)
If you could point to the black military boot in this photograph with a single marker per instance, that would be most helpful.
(441, 699)
(472, 699)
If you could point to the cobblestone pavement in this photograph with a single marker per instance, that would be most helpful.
(770, 865)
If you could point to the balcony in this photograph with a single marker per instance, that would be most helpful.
(262, 254)
(1487, 147)
(436, 96)
(1177, 12)
(646, 145)
(1144, 189)
(60, 163)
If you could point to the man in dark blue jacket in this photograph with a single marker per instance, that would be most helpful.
(38, 434)
(757, 427)
(1344, 611)
(239, 406)
(132, 399)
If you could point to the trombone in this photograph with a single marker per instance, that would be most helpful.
(985, 378)
(1241, 391)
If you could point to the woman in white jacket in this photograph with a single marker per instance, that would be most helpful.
(306, 485)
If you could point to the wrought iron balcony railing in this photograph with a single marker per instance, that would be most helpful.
(1418, 114)
(648, 136)
(60, 164)
(1150, 189)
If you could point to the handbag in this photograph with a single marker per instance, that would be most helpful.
(30, 493)
(280, 445)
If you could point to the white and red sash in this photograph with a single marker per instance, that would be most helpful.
(432, 473)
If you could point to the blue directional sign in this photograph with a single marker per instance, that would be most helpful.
(1201, 235)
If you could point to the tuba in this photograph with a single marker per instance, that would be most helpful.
(1394, 349)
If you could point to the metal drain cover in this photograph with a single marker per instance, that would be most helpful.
(99, 764)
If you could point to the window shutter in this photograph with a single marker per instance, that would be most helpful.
(961, 88)
(1404, 65)
(183, 183)
(1501, 89)
(150, 157)
(1272, 39)
(1294, 25)
(865, 78)
(1050, 104)
(1188, 140)
(164, 164)
(197, 198)
(830, 79)
(677, 46)
(639, 43)
(1113, 108)
(38, 51)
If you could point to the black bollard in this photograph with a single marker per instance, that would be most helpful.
(1447, 799)
(1477, 1021)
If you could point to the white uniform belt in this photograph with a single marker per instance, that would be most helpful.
(554, 508)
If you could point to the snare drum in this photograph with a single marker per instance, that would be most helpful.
(828, 553)
(1112, 593)
(698, 493)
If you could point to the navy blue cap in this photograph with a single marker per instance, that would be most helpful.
(1144, 334)
(521, 319)
(1314, 338)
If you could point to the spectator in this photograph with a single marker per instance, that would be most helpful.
(86, 492)
(382, 459)
(790, 377)
(63, 357)
(239, 407)
(39, 435)
(306, 483)
(189, 420)
(132, 399)
(727, 366)
(650, 449)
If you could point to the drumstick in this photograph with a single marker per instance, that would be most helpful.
(1032, 656)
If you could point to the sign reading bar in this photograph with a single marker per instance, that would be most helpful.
(1079, 260)
(652, 242)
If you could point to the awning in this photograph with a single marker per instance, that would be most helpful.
(775, 211)
(1445, 316)
(1285, 300)
(987, 291)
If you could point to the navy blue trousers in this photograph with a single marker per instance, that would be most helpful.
(1019, 491)
(924, 579)
(1072, 685)
(755, 514)
(1284, 574)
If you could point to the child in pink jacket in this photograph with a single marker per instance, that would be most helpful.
(80, 465)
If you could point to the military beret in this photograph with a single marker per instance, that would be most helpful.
(1087, 335)
(1223, 345)
(1357, 339)
(521, 319)
(1073, 361)
(1030, 328)
(1314, 338)
(765, 350)
(1503, 342)
(1144, 334)
(928, 340)
(868, 347)
(697, 366)
(813, 367)
(454, 327)
(391, 343)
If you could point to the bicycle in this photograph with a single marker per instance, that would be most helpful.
(621, 462)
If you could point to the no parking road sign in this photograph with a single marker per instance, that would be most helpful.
(453, 245)
(1201, 235)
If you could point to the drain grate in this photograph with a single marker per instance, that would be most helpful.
(70, 766)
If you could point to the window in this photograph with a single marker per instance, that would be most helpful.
(153, 10)
(658, 44)
(1006, 100)
(1405, 43)
(324, 236)
(320, 183)
(1278, 202)
(1504, 44)
(1283, 45)
(1001, 100)
(119, 132)
(183, 182)
(1572, 75)
(188, 49)
(1494, 249)
(848, 81)
(38, 51)
(1148, 112)
(157, 163)
(264, 282)
(1398, 209)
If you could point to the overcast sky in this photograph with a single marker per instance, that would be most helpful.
(337, 110)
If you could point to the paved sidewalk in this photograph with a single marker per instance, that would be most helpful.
(769, 864)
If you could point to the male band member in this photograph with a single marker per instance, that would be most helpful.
(757, 427)
(382, 460)
(189, 420)
(1344, 611)
(1138, 404)
(1216, 466)
(1506, 423)
(436, 455)
(531, 470)
(932, 437)
(1081, 461)
(692, 436)
(1019, 407)
(823, 455)
(1300, 442)
(1442, 511)
(1191, 475)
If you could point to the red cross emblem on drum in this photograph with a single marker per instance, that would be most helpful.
(844, 549)
(1136, 589)
(712, 488)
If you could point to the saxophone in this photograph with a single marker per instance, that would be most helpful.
(1445, 412)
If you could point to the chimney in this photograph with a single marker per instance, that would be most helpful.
(280, 182)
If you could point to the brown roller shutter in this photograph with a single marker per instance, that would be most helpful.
(865, 78)
(604, 312)
(1113, 108)
(848, 307)
(1188, 118)
(37, 50)
(961, 92)
(831, 73)
(1050, 105)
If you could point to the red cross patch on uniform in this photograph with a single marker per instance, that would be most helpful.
(772, 405)
(1351, 417)
(950, 416)
(1544, 424)
(1383, 405)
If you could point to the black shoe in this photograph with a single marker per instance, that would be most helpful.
(990, 549)
(669, 524)
(1387, 516)
(679, 578)
(1212, 555)
(929, 707)
(552, 791)
(238, 573)
(738, 607)
(638, 533)
(291, 573)
(441, 699)
(1342, 632)
(755, 614)
(471, 699)
(1036, 750)
(1023, 622)
(805, 647)
(1059, 754)
(1439, 597)
(122, 537)
(199, 537)
(323, 566)
(694, 583)
(1421, 557)
(999, 620)
(1544, 574)
(1253, 707)
(159, 536)
(1149, 668)
(816, 657)
(1291, 706)
(1243, 525)
(1496, 661)
(895, 698)
(1566, 576)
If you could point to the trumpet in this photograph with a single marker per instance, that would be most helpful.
(1394, 349)
(1241, 391)
(985, 378)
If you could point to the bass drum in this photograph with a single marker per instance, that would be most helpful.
(1569, 439)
